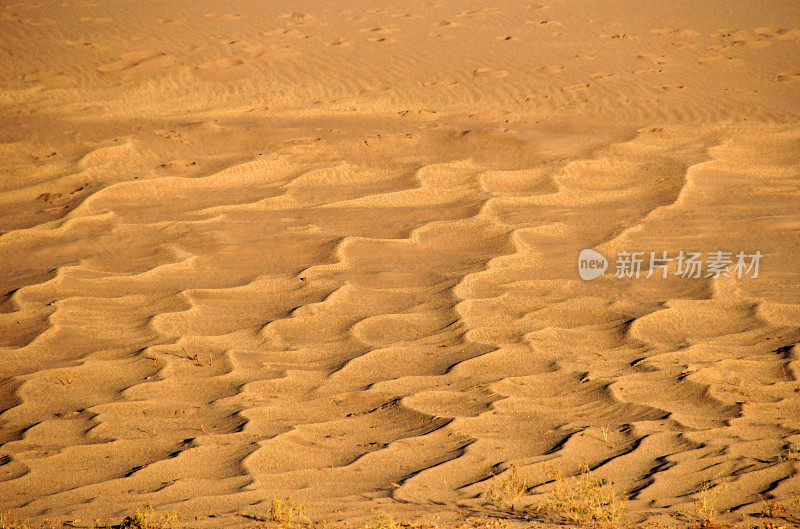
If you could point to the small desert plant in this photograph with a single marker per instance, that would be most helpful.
(705, 502)
(507, 490)
(790, 452)
(789, 511)
(384, 521)
(582, 499)
(287, 513)
(771, 509)
(149, 518)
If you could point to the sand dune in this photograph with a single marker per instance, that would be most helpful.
(329, 252)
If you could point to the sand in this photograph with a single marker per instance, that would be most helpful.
(328, 251)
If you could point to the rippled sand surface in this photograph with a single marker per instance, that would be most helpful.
(329, 251)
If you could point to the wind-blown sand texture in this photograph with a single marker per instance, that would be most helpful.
(328, 251)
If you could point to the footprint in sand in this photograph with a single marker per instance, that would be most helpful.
(376, 88)
(490, 73)
(23, 5)
(443, 82)
(138, 64)
(477, 13)
(57, 79)
(271, 52)
(62, 201)
(96, 20)
(676, 32)
(229, 40)
(37, 21)
(742, 38)
(296, 18)
(576, 87)
(227, 62)
(545, 23)
(779, 33)
(168, 133)
(655, 58)
(223, 16)
(79, 43)
(787, 77)
(619, 36)
(177, 166)
(379, 34)
(338, 42)
(714, 59)
(224, 69)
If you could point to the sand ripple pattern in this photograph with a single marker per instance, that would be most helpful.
(310, 324)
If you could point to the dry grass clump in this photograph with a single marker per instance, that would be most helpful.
(149, 518)
(507, 490)
(383, 522)
(287, 513)
(787, 511)
(790, 452)
(582, 499)
(705, 501)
